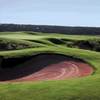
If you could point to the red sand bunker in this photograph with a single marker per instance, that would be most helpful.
(47, 67)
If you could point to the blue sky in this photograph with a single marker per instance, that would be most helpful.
(51, 12)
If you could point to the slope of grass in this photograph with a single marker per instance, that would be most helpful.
(86, 88)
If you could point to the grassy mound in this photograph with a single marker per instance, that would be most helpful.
(86, 88)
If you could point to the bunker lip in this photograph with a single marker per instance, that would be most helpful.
(46, 67)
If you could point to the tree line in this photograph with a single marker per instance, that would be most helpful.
(51, 29)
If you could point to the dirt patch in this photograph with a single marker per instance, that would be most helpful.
(46, 67)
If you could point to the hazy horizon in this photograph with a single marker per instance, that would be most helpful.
(51, 12)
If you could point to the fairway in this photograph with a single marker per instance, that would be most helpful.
(62, 83)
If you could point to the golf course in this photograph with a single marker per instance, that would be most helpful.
(44, 66)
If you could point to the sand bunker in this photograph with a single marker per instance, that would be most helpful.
(47, 67)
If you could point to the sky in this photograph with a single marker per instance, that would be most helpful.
(51, 12)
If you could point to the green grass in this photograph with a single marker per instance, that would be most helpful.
(86, 88)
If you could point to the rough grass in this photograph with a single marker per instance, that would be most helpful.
(87, 88)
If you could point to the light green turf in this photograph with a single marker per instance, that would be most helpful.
(25, 35)
(87, 88)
